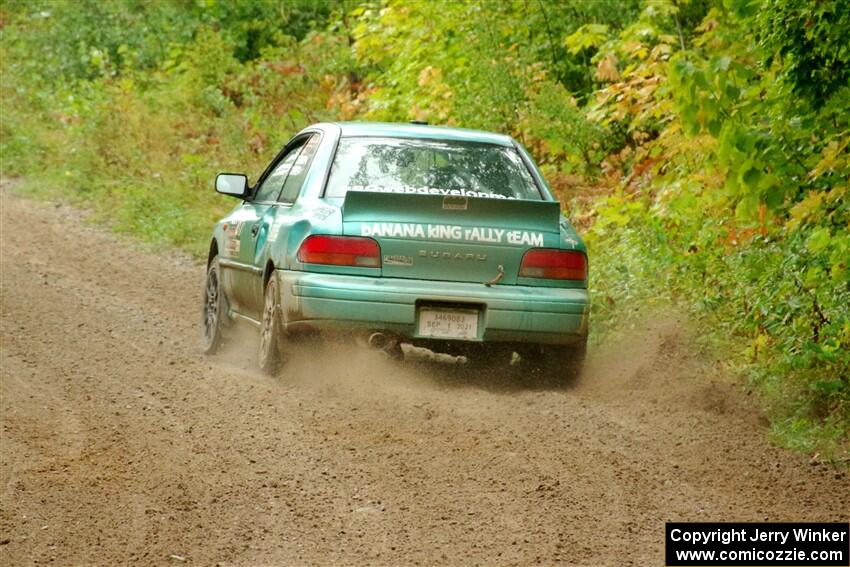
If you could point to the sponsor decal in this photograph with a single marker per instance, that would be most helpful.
(450, 232)
(410, 190)
(323, 212)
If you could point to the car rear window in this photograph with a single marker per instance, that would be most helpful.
(431, 167)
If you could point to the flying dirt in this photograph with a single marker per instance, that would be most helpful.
(123, 444)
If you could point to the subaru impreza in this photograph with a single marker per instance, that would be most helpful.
(443, 238)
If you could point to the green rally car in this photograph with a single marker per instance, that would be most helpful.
(438, 237)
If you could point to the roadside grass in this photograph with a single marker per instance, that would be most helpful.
(634, 273)
(136, 166)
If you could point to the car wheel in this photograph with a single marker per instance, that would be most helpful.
(561, 365)
(213, 312)
(270, 356)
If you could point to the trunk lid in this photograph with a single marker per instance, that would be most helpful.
(451, 238)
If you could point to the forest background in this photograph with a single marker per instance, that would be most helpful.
(701, 147)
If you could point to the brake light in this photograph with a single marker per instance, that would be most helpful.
(554, 264)
(340, 251)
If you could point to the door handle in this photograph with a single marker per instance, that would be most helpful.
(255, 229)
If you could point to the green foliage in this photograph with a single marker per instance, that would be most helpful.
(137, 139)
(90, 38)
(748, 184)
(502, 66)
(702, 145)
(809, 40)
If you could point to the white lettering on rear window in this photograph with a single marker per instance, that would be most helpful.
(410, 190)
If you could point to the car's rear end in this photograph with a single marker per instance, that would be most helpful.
(443, 243)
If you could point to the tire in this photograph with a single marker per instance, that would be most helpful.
(213, 310)
(552, 366)
(270, 356)
(561, 365)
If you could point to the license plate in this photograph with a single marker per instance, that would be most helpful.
(448, 323)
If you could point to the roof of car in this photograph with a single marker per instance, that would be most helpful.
(423, 131)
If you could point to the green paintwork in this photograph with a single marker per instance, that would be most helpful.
(260, 240)
(524, 215)
(442, 259)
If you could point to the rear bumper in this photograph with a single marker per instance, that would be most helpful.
(508, 313)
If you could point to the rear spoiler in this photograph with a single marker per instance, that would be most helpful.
(368, 206)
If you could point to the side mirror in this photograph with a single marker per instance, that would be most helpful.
(233, 184)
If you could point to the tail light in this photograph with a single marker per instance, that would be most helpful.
(554, 264)
(340, 251)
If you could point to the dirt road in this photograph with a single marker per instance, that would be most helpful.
(122, 444)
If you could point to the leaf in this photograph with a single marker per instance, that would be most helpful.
(774, 196)
(585, 37)
(804, 209)
(747, 207)
(818, 239)
(721, 63)
(607, 69)
(701, 81)
(714, 127)
(751, 177)
(833, 157)
(743, 141)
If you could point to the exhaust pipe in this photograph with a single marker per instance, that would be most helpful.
(387, 344)
(378, 340)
